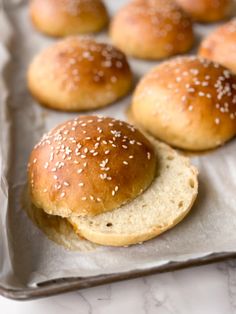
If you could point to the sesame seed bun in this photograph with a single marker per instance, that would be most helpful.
(152, 29)
(88, 166)
(220, 45)
(68, 17)
(189, 102)
(207, 10)
(77, 74)
(160, 207)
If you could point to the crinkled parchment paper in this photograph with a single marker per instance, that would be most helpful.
(27, 256)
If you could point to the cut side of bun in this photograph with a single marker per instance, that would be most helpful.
(164, 204)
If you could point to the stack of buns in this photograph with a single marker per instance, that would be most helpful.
(102, 179)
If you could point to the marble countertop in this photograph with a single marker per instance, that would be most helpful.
(209, 289)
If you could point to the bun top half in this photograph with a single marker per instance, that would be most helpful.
(89, 165)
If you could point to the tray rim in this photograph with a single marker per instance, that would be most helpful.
(63, 285)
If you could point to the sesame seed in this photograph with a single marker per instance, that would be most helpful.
(66, 183)
(57, 186)
(63, 194)
(51, 157)
(125, 162)
(81, 184)
(79, 170)
(103, 176)
(217, 120)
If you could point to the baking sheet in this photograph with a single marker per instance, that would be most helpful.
(27, 256)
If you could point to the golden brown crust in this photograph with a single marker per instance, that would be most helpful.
(67, 17)
(207, 10)
(189, 102)
(79, 74)
(220, 45)
(89, 165)
(152, 29)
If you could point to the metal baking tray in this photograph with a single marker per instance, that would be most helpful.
(60, 285)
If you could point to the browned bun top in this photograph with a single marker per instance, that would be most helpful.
(220, 45)
(78, 73)
(152, 29)
(89, 165)
(67, 17)
(189, 102)
(207, 10)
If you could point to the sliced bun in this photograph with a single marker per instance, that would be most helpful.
(207, 10)
(188, 102)
(89, 165)
(164, 204)
(68, 17)
(152, 29)
(220, 45)
(79, 73)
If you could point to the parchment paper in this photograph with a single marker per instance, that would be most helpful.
(27, 257)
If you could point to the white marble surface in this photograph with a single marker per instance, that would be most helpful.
(207, 289)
